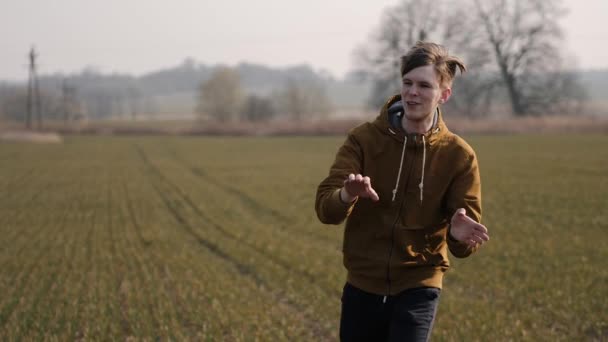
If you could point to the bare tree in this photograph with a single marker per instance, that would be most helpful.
(12, 99)
(258, 108)
(70, 105)
(400, 27)
(134, 97)
(511, 48)
(474, 90)
(319, 103)
(294, 100)
(444, 21)
(302, 100)
(221, 96)
(524, 37)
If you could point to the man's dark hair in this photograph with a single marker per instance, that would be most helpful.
(427, 53)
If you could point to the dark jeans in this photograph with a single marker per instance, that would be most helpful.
(407, 316)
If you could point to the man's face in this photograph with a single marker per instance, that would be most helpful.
(421, 93)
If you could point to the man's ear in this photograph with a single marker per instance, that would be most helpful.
(445, 95)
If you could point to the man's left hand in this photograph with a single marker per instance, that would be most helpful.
(465, 229)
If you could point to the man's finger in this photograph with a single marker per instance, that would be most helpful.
(370, 191)
(481, 228)
(349, 179)
(477, 239)
(358, 178)
(372, 194)
(483, 236)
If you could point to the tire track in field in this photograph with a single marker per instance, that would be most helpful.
(243, 269)
(278, 261)
(173, 205)
(121, 287)
(137, 266)
(133, 218)
(202, 174)
(161, 269)
(246, 199)
(156, 267)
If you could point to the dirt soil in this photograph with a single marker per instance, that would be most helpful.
(25, 136)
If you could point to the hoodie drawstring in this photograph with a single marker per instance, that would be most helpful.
(400, 166)
(421, 185)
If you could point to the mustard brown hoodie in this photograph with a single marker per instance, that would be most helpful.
(401, 241)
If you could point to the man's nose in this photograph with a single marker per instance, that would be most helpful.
(413, 90)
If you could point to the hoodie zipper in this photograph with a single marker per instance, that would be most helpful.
(401, 207)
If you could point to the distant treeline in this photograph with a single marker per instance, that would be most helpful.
(172, 91)
(177, 91)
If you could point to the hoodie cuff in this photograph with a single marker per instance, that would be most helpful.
(459, 249)
(337, 208)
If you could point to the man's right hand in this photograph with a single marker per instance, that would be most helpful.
(357, 186)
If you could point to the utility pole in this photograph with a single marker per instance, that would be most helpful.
(33, 93)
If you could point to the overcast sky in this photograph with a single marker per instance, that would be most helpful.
(138, 36)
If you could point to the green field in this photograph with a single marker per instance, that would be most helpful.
(158, 238)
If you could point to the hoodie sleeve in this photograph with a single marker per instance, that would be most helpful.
(329, 206)
(465, 192)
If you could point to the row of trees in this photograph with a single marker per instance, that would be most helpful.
(222, 98)
(513, 49)
(245, 92)
(62, 105)
(87, 95)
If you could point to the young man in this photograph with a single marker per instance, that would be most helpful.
(409, 190)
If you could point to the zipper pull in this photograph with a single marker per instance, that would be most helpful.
(384, 300)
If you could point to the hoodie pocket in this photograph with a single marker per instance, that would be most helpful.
(425, 246)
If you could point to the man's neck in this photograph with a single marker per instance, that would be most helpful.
(419, 127)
